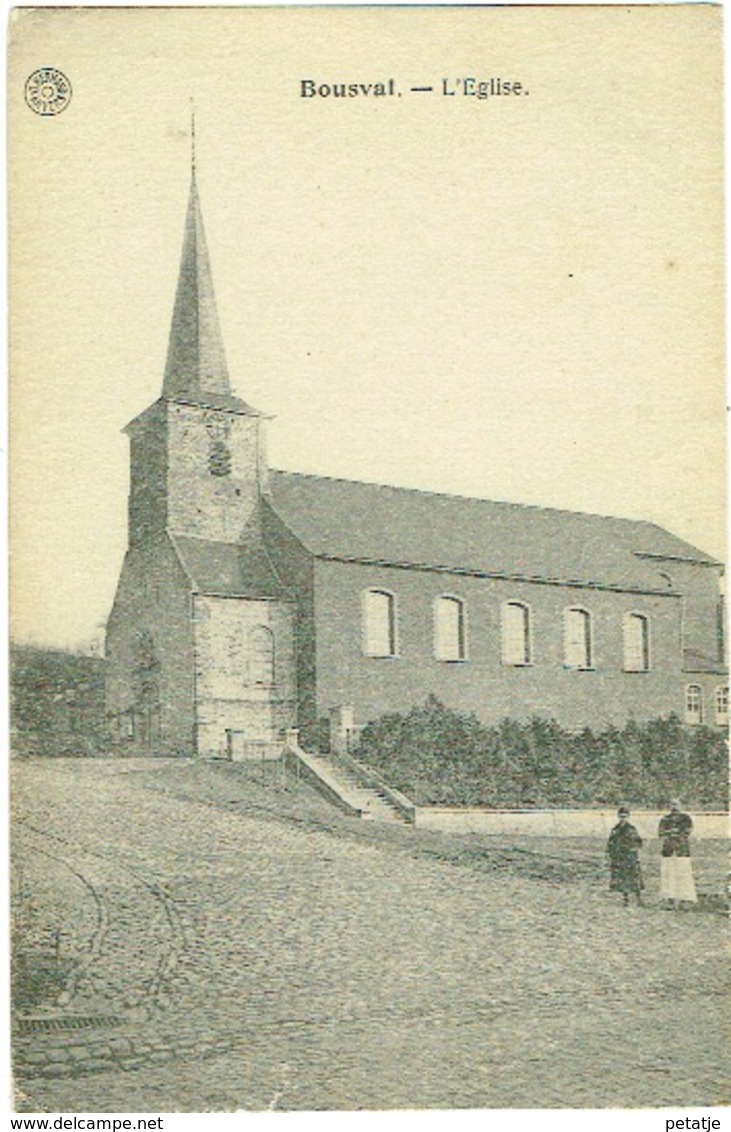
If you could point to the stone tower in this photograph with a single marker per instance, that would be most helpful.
(200, 644)
(198, 466)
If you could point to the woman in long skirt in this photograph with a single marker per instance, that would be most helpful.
(625, 871)
(676, 872)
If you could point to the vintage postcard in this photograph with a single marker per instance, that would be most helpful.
(368, 676)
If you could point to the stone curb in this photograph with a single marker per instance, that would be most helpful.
(66, 1055)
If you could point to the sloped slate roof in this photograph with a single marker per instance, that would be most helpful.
(346, 520)
(208, 400)
(196, 359)
(230, 569)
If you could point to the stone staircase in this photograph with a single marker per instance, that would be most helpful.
(372, 801)
(352, 787)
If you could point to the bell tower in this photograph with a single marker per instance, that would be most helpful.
(200, 641)
(197, 454)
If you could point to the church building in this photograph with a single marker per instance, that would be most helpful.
(252, 601)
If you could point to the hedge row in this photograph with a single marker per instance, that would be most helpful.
(437, 756)
(56, 702)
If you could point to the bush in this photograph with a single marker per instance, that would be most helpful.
(57, 702)
(437, 756)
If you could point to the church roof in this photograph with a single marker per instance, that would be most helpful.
(229, 569)
(196, 361)
(344, 520)
(227, 401)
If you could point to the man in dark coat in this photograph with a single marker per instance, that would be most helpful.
(625, 872)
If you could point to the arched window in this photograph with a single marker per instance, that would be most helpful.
(722, 705)
(577, 645)
(449, 628)
(261, 656)
(636, 632)
(693, 704)
(379, 623)
(516, 634)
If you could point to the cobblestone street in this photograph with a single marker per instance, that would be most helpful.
(249, 961)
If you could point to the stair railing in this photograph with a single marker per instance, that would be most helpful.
(372, 778)
(308, 768)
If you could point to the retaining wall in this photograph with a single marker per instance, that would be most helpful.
(558, 823)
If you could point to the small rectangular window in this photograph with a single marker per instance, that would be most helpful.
(722, 705)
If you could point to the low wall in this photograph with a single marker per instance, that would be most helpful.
(240, 749)
(558, 823)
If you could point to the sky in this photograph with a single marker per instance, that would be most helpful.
(515, 298)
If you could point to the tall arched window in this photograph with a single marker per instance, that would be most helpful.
(261, 656)
(636, 632)
(577, 644)
(379, 623)
(516, 634)
(449, 628)
(722, 705)
(693, 704)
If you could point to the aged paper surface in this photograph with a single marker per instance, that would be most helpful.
(474, 252)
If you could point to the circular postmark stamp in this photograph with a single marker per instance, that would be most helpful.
(47, 91)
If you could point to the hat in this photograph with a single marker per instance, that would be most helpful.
(622, 812)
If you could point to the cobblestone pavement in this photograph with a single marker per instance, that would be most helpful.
(250, 962)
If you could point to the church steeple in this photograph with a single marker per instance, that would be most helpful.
(198, 453)
(196, 361)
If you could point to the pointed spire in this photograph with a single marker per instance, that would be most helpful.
(196, 362)
(192, 137)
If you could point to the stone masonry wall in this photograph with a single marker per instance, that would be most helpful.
(481, 683)
(203, 503)
(152, 598)
(227, 692)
